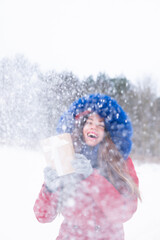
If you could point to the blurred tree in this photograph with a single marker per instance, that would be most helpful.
(21, 118)
(88, 86)
(146, 115)
(102, 84)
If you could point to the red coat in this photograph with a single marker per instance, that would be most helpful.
(96, 212)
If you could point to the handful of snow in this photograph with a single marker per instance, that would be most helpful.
(59, 153)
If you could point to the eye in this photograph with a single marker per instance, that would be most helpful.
(88, 122)
(101, 125)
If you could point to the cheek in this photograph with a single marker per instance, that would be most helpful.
(85, 129)
(84, 132)
(101, 134)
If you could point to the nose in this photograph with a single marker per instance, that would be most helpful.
(94, 126)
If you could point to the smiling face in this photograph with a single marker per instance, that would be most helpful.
(93, 130)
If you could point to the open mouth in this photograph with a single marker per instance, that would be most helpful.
(92, 135)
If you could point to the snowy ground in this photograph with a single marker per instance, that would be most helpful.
(21, 177)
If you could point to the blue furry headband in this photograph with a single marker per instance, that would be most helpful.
(116, 120)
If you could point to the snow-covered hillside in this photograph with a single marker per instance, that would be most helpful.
(145, 223)
(21, 177)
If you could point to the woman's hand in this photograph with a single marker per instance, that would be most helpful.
(82, 165)
(51, 179)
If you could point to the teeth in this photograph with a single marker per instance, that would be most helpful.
(92, 135)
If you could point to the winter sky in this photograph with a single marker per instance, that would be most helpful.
(118, 37)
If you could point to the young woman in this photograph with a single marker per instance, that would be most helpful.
(102, 193)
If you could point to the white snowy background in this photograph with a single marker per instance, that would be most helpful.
(21, 177)
(86, 37)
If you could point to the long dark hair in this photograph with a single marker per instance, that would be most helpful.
(111, 163)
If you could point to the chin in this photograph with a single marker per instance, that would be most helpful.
(91, 144)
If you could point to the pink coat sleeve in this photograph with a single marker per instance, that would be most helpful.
(115, 206)
(45, 207)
